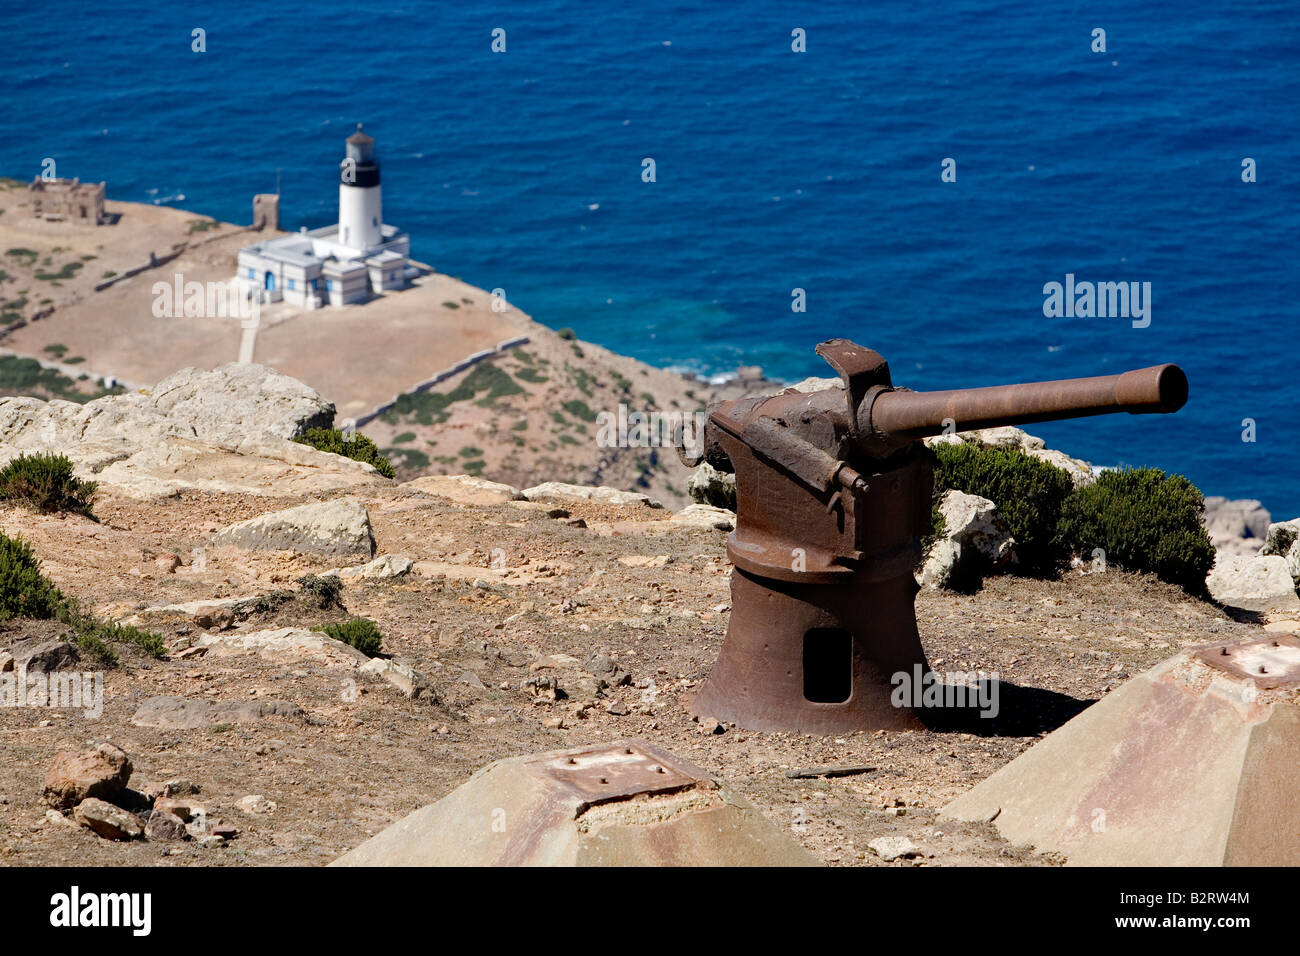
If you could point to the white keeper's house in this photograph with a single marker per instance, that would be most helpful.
(339, 264)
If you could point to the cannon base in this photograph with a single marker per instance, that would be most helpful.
(814, 658)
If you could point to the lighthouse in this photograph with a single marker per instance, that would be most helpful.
(361, 214)
(343, 263)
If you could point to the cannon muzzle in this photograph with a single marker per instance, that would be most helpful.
(907, 415)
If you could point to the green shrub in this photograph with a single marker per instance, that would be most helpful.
(358, 447)
(67, 271)
(25, 376)
(410, 457)
(24, 591)
(45, 483)
(360, 632)
(1029, 494)
(1144, 520)
(431, 408)
(565, 333)
(579, 409)
(92, 633)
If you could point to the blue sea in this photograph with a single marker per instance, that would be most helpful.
(774, 170)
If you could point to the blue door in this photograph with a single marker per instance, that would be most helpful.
(270, 280)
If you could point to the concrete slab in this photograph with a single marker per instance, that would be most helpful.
(1192, 763)
(623, 804)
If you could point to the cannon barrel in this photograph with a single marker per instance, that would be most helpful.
(903, 414)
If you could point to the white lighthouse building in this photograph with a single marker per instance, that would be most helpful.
(344, 262)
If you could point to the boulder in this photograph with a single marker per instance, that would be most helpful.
(705, 517)
(75, 776)
(181, 713)
(227, 430)
(108, 821)
(164, 827)
(1283, 538)
(940, 568)
(381, 568)
(1238, 527)
(40, 656)
(239, 398)
(975, 542)
(410, 682)
(1261, 582)
(560, 491)
(465, 489)
(708, 486)
(890, 848)
(339, 528)
(283, 643)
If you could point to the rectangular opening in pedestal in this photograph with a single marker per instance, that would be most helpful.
(827, 665)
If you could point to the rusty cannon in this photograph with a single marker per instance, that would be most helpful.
(834, 492)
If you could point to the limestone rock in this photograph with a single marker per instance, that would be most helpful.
(1283, 539)
(335, 528)
(239, 398)
(227, 430)
(73, 777)
(257, 804)
(108, 821)
(1237, 527)
(814, 384)
(465, 489)
(560, 491)
(941, 563)
(181, 713)
(403, 676)
(975, 542)
(1256, 583)
(708, 486)
(381, 568)
(705, 516)
(283, 643)
(214, 615)
(890, 848)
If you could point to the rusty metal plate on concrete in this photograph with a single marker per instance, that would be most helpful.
(619, 771)
(616, 804)
(1271, 663)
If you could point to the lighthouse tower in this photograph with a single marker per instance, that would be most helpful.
(360, 206)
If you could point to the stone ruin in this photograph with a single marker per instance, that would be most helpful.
(67, 200)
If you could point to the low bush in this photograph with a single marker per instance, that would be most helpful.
(357, 447)
(26, 592)
(1143, 520)
(45, 483)
(360, 632)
